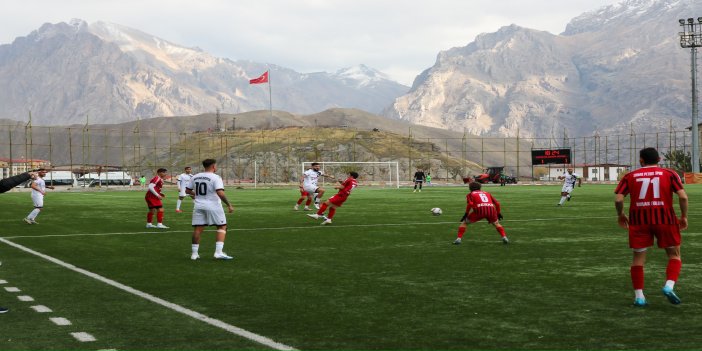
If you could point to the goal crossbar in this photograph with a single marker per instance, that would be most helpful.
(392, 165)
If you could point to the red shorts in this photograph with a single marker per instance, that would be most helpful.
(474, 217)
(303, 193)
(338, 200)
(153, 202)
(641, 236)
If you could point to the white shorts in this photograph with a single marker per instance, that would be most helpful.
(182, 193)
(207, 217)
(38, 200)
(567, 189)
(310, 189)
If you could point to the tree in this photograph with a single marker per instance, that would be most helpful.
(679, 160)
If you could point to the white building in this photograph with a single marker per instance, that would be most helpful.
(591, 172)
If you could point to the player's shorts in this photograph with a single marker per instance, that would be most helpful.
(181, 193)
(338, 200)
(303, 193)
(38, 200)
(310, 189)
(641, 236)
(418, 181)
(567, 189)
(153, 202)
(209, 216)
(474, 217)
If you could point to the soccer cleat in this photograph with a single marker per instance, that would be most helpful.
(4, 309)
(149, 225)
(222, 256)
(313, 216)
(640, 302)
(326, 221)
(670, 294)
(179, 211)
(415, 190)
(28, 221)
(316, 206)
(420, 190)
(34, 222)
(457, 241)
(161, 226)
(296, 207)
(307, 208)
(194, 257)
(505, 240)
(568, 198)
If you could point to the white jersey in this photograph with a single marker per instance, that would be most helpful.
(309, 182)
(38, 197)
(205, 186)
(184, 180)
(570, 179)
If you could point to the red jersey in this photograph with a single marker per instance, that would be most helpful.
(651, 190)
(348, 185)
(158, 184)
(482, 203)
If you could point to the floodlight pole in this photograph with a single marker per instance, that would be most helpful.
(691, 37)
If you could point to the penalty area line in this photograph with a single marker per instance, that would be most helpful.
(172, 306)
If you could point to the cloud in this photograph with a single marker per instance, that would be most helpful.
(401, 38)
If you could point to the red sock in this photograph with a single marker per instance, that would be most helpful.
(332, 211)
(637, 277)
(501, 230)
(159, 217)
(322, 208)
(461, 231)
(149, 217)
(309, 201)
(673, 270)
(300, 200)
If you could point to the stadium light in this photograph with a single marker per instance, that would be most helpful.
(691, 37)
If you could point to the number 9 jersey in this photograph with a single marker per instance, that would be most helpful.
(651, 189)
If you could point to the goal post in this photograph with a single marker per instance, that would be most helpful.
(364, 169)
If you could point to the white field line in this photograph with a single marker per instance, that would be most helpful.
(3, 281)
(25, 298)
(41, 309)
(12, 289)
(307, 227)
(60, 321)
(83, 337)
(188, 312)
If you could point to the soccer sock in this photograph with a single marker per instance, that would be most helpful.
(219, 246)
(195, 248)
(420, 186)
(322, 209)
(299, 201)
(672, 272)
(637, 277)
(316, 198)
(563, 200)
(308, 202)
(461, 231)
(35, 212)
(178, 204)
(332, 211)
(501, 230)
(159, 217)
(149, 217)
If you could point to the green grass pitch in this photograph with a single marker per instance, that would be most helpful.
(384, 275)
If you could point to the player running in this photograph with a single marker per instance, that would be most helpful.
(183, 181)
(153, 200)
(309, 180)
(569, 179)
(651, 214)
(481, 205)
(303, 195)
(38, 191)
(345, 187)
(207, 188)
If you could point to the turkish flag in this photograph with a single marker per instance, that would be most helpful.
(262, 79)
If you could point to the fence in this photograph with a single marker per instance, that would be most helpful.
(279, 152)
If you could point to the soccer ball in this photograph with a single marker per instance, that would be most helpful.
(436, 211)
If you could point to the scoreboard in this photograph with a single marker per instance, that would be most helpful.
(548, 156)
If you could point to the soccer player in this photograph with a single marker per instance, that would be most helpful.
(344, 187)
(153, 200)
(183, 180)
(308, 182)
(303, 195)
(419, 178)
(651, 214)
(569, 179)
(481, 205)
(38, 191)
(208, 191)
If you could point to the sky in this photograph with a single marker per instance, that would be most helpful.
(401, 38)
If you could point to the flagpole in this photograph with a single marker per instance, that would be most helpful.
(270, 94)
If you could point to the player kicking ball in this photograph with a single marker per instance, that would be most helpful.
(481, 205)
(345, 187)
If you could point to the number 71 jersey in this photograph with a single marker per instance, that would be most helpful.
(651, 190)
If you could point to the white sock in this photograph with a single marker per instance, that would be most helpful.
(195, 248)
(670, 284)
(35, 212)
(563, 200)
(638, 293)
(178, 204)
(219, 246)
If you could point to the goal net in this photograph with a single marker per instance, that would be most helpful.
(383, 173)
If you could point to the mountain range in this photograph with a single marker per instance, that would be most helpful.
(612, 70)
(65, 71)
